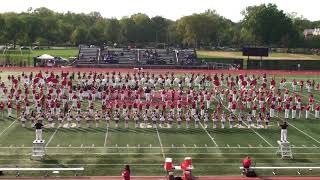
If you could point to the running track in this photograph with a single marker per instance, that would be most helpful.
(164, 178)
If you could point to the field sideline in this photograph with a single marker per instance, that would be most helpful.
(238, 54)
(104, 151)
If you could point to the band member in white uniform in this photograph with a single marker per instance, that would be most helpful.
(179, 119)
(170, 119)
(23, 119)
(78, 119)
(154, 119)
(60, 119)
(206, 120)
(215, 119)
(162, 120)
(107, 118)
(70, 118)
(196, 120)
(136, 119)
(223, 120)
(145, 118)
(117, 118)
(188, 119)
(231, 120)
(126, 119)
(97, 118)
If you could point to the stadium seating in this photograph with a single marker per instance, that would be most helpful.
(187, 56)
(148, 58)
(87, 55)
(120, 56)
(157, 56)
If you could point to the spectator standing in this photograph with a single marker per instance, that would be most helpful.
(126, 173)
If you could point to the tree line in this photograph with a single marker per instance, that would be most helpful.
(263, 25)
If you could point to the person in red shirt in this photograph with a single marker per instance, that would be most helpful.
(246, 164)
(126, 173)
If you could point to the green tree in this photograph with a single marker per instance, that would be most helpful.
(128, 30)
(15, 29)
(65, 31)
(2, 27)
(79, 36)
(34, 28)
(160, 28)
(143, 28)
(113, 30)
(267, 24)
(196, 29)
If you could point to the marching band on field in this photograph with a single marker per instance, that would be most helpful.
(154, 100)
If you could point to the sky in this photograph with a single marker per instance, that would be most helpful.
(171, 9)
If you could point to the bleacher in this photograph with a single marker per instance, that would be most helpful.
(158, 56)
(187, 56)
(88, 55)
(144, 58)
(118, 56)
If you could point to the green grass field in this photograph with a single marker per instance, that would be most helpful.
(15, 57)
(104, 151)
(286, 56)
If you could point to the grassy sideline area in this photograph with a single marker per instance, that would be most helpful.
(285, 56)
(54, 52)
(104, 151)
(15, 57)
(65, 53)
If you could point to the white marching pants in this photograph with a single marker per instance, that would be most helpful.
(38, 134)
(286, 113)
(283, 135)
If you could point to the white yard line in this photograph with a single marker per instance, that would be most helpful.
(162, 151)
(106, 137)
(146, 153)
(132, 147)
(251, 129)
(212, 139)
(259, 135)
(7, 128)
(55, 132)
(304, 133)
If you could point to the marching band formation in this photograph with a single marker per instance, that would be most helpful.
(155, 100)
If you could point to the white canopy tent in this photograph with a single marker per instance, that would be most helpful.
(45, 60)
(45, 57)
